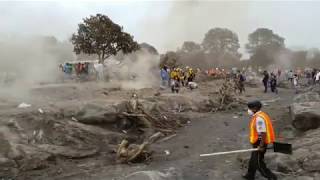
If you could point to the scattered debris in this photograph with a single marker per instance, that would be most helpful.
(168, 138)
(127, 152)
(74, 119)
(167, 152)
(192, 85)
(136, 113)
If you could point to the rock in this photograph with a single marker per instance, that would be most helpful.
(8, 168)
(286, 164)
(96, 114)
(305, 160)
(305, 116)
(301, 154)
(312, 163)
(289, 132)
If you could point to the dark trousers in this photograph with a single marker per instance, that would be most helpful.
(257, 163)
(274, 88)
(265, 86)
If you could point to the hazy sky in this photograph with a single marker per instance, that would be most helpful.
(166, 24)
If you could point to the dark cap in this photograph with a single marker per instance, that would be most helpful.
(254, 105)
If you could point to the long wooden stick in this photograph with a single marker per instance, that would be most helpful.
(229, 152)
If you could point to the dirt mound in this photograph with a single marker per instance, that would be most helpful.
(34, 140)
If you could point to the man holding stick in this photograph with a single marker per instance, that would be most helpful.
(261, 134)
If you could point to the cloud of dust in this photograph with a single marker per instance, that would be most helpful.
(190, 20)
(136, 71)
(283, 60)
(28, 61)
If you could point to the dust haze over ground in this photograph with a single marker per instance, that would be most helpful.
(144, 68)
(26, 61)
(30, 61)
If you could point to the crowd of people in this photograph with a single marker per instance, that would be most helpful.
(178, 77)
(77, 68)
(82, 70)
(295, 78)
(184, 77)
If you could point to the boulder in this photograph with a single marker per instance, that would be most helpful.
(305, 116)
(286, 164)
(304, 163)
(96, 114)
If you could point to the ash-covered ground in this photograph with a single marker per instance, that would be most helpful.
(72, 131)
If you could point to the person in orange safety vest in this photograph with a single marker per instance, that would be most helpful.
(260, 136)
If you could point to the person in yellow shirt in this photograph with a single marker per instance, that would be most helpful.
(191, 75)
(174, 80)
(181, 76)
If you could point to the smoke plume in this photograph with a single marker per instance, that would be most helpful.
(137, 70)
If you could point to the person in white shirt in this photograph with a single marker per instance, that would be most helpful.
(318, 77)
(99, 69)
(295, 83)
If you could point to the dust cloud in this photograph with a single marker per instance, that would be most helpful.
(190, 20)
(29, 61)
(136, 71)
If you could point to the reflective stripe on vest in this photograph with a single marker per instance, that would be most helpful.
(270, 136)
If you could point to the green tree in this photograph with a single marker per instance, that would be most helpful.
(149, 48)
(101, 36)
(190, 46)
(265, 46)
(264, 38)
(169, 59)
(221, 41)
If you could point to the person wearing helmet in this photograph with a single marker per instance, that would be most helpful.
(191, 75)
(261, 135)
(175, 81)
